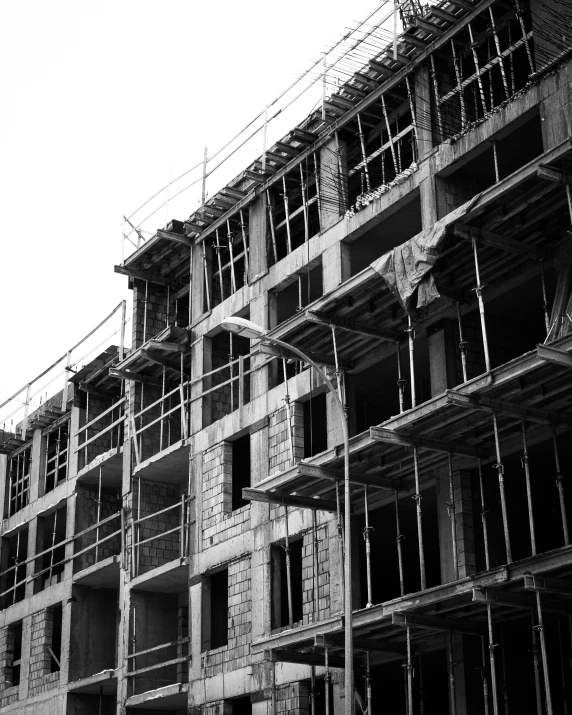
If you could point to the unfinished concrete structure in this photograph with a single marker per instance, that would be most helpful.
(172, 534)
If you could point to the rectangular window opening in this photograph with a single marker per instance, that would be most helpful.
(55, 640)
(14, 555)
(315, 425)
(280, 599)
(240, 470)
(15, 643)
(215, 601)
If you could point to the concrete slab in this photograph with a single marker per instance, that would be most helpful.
(111, 465)
(104, 683)
(104, 574)
(171, 697)
(172, 577)
(171, 465)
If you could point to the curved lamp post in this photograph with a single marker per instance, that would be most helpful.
(248, 329)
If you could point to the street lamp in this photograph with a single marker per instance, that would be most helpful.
(248, 329)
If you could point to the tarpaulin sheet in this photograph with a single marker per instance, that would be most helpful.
(406, 269)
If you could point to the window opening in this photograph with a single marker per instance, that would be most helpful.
(279, 566)
(240, 470)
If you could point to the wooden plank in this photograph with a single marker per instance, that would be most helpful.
(288, 656)
(137, 377)
(142, 275)
(436, 623)
(352, 326)
(405, 439)
(289, 500)
(428, 27)
(167, 347)
(336, 640)
(175, 237)
(488, 404)
(556, 175)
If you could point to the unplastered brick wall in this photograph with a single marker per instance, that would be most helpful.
(219, 521)
(236, 654)
(156, 319)
(86, 516)
(156, 496)
(279, 439)
(40, 678)
(320, 544)
(8, 692)
(279, 457)
(293, 699)
(226, 399)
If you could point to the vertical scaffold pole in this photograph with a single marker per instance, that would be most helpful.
(462, 343)
(453, 515)
(411, 339)
(543, 652)
(451, 668)
(398, 539)
(484, 512)
(526, 467)
(545, 303)
(363, 154)
(409, 667)
(560, 485)
(536, 667)
(366, 532)
(287, 214)
(400, 381)
(492, 646)
(483, 670)
(418, 498)
(479, 291)
(500, 474)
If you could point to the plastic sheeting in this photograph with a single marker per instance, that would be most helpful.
(407, 269)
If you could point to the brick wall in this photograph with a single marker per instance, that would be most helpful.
(8, 692)
(219, 521)
(308, 581)
(156, 311)
(86, 516)
(39, 677)
(236, 654)
(293, 699)
(221, 402)
(279, 457)
(156, 496)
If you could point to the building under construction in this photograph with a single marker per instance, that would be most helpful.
(178, 525)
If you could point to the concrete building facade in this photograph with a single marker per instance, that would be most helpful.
(173, 524)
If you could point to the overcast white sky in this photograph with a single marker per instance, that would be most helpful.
(101, 101)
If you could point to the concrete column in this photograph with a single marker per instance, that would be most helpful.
(442, 357)
(556, 109)
(333, 182)
(35, 462)
(32, 550)
(258, 228)
(423, 111)
(259, 384)
(201, 359)
(428, 197)
(198, 287)
(25, 660)
(336, 266)
(464, 526)
(3, 485)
